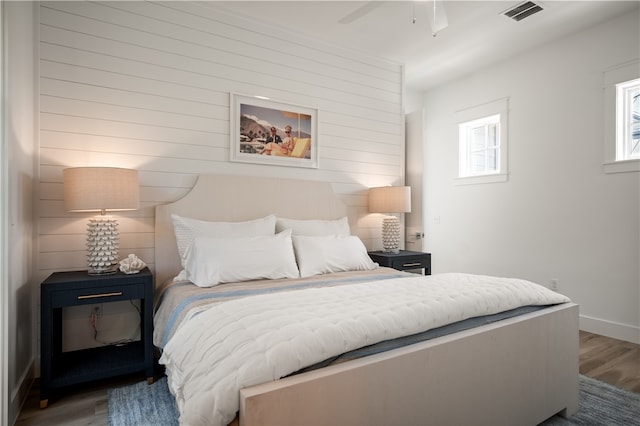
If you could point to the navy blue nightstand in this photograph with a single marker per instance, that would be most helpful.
(404, 260)
(63, 289)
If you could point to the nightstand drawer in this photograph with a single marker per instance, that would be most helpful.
(418, 262)
(86, 295)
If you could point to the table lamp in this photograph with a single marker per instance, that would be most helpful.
(101, 189)
(390, 199)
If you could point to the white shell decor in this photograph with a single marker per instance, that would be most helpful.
(390, 234)
(102, 245)
(132, 264)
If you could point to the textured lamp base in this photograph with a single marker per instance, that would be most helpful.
(102, 245)
(391, 234)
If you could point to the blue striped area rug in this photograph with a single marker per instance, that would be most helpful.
(600, 405)
(142, 404)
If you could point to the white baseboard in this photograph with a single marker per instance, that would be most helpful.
(20, 393)
(612, 329)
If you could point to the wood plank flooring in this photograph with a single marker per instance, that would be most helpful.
(612, 361)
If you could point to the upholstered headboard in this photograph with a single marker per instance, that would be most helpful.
(238, 198)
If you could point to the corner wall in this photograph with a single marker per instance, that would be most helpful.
(20, 138)
(558, 216)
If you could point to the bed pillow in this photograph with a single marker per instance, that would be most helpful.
(212, 261)
(186, 229)
(331, 253)
(314, 227)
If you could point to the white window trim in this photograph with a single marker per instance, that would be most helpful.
(623, 91)
(499, 106)
(613, 76)
(465, 153)
(474, 180)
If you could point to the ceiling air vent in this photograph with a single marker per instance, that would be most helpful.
(522, 10)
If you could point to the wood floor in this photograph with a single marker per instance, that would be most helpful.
(612, 361)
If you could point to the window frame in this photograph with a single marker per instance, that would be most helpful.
(468, 147)
(484, 114)
(624, 122)
(612, 78)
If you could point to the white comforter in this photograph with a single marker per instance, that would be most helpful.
(257, 339)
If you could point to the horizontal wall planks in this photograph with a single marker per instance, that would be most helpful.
(242, 35)
(210, 43)
(77, 242)
(146, 85)
(214, 105)
(133, 115)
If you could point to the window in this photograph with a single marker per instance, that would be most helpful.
(482, 140)
(622, 118)
(628, 120)
(480, 146)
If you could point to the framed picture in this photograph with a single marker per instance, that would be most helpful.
(268, 132)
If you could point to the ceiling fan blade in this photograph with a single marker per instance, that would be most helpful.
(437, 16)
(360, 12)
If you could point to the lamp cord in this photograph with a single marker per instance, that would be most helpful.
(93, 320)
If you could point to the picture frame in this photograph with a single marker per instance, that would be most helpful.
(253, 139)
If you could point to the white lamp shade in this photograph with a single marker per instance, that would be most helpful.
(390, 199)
(100, 188)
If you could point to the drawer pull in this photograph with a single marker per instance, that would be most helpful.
(412, 264)
(96, 296)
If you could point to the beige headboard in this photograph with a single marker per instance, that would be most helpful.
(237, 198)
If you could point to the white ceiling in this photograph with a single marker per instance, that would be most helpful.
(477, 34)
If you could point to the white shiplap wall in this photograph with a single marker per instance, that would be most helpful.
(146, 86)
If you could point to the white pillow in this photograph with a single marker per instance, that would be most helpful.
(211, 261)
(186, 229)
(314, 227)
(331, 253)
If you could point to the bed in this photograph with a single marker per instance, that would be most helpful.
(518, 369)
